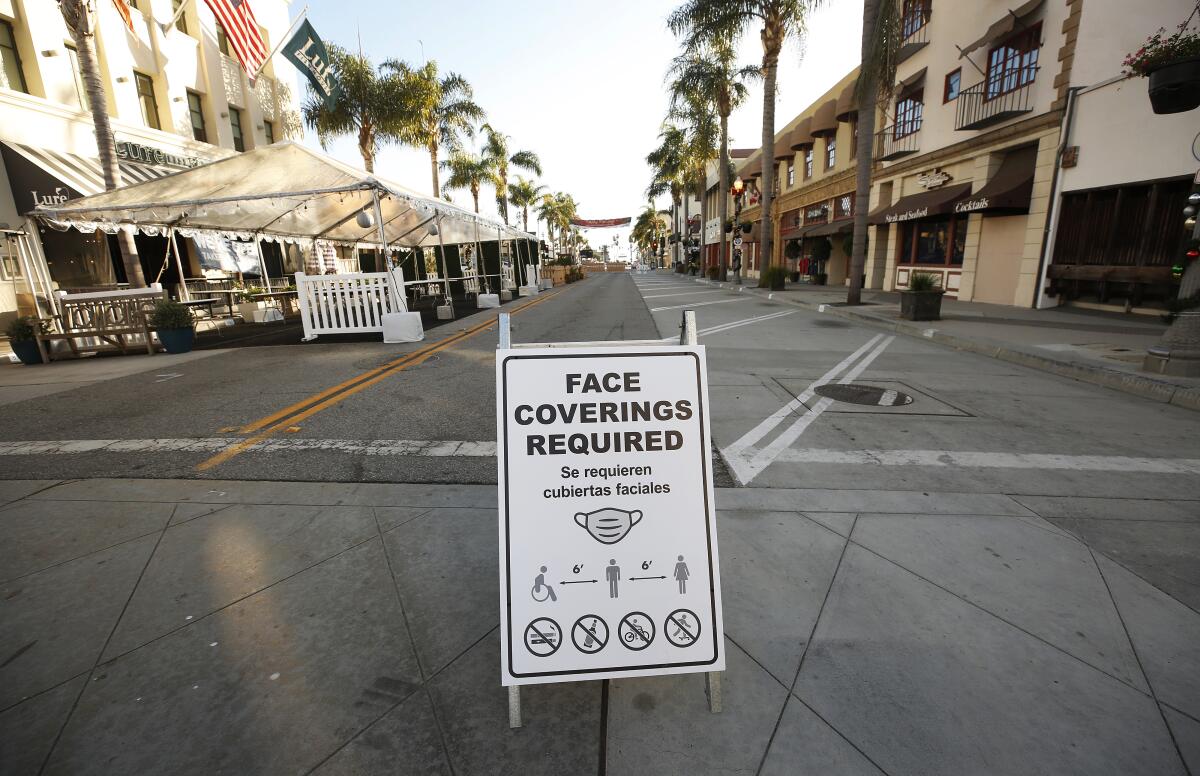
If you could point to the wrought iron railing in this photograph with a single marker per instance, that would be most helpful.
(996, 99)
(897, 140)
(916, 35)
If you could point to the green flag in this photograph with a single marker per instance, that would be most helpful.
(308, 53)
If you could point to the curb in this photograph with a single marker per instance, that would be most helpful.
(1136, 385)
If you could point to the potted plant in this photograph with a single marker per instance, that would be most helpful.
(728, 227)
(174, 324)
(791, 251)
(713, 273)
(1172, 64)
(22, 336)
(822, 249)
(922, 301)
(772, 278)
(746, 227)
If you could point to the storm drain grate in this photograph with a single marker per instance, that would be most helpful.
(869, 395)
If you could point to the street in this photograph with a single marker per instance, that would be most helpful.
(282, 560)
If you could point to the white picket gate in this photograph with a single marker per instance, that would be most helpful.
(347, 304)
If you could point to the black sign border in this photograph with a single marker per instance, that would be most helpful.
(705, 468)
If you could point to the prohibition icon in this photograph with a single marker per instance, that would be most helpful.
(589, 634)
(682, 627)
(636, 631)
(543, 637)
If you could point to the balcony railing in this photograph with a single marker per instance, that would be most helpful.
(896, 141)
(994, 101)
(917, 37)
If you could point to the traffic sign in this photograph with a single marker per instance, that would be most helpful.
(607, 516)
(737, 242)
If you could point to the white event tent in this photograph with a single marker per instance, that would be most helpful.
(283, 192)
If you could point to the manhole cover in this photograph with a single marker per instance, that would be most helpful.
(869, 395)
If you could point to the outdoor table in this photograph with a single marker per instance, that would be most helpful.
(277, 296)
(197, 303)
(230, 295)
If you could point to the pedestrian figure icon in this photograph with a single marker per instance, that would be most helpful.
(636, 631)
(541, 591)
(682, 627)
(681, 575)
(612, 572)
(543, 637)
(589, 634)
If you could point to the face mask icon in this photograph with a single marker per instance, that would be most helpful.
(608, 526)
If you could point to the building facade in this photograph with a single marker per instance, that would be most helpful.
(176, 98)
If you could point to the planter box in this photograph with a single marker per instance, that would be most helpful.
(921, 305)
(177, 340)
(247, 309)
(1175, 88)
(27, 351)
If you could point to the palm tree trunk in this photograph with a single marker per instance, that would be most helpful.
(864, 148)
(475, 196)
(433, 162)
(722, 189)
(366, 147)
(502, 192)
(79, 23)
(525, 219)
(770, 68)
(703, 180)
(687, 228)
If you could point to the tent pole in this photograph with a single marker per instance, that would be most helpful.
(262, 263)
(442, 251)
(183, 289)
(383, 246)
(475, 259)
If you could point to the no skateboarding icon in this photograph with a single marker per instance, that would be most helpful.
(589, 634)
(543, 637)
(682, 627)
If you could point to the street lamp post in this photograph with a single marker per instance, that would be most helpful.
(737, 190)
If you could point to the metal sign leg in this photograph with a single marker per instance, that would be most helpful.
(712, 688)
(514, 707)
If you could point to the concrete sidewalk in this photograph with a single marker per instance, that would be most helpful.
(1097, 347)
(183, 626)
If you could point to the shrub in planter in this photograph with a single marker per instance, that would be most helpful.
(1172, 65)
(746, 227)
(681, 268)
(822, 249)
(728, 227)
(22, 337)
(923, 299)
(174, 324)
(772, 278)
(713, 273)
(792, 249)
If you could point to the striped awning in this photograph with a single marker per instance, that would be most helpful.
(83, 173)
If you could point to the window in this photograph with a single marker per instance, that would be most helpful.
(181, 22)
(830, 152)
(915, 16)
(196, 114)
(908, 113)
(791, 173)
(222, 40)
(145, 90)
(953, 85)
(235, 121)
(808, 163)
(80, 88)
(269, 129)
(11, 74)
(10, 267)
(934, 241)
(1013, 63)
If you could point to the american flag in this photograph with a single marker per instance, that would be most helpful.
(242, 32)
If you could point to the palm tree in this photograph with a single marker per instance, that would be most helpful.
(468, 171)
(78, 16)
(706, 22)
(558, 210)
(369, 105)
(669, 171)
(439, 110)
(523, 194)
(646, 228)
(713, 70)
(881, 40)
(496, 147)
(694, 110)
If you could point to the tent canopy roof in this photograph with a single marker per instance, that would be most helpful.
(282, 190)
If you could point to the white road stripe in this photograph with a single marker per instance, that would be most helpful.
(775, 418)
(486, 449)
(699, 304)
(744, 322)
(683, 293)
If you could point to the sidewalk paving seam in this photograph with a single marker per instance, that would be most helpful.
(1138, 659)
(1143, 386)
(846, 540)
(100, 653)
(89, 552)
(396, 587)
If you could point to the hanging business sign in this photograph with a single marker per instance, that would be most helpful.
(608, 543)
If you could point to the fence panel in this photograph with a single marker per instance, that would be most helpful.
(347, 304)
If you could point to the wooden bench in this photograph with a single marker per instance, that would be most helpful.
(108, 316)
(1070, 280)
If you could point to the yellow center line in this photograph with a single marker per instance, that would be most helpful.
(305, 408)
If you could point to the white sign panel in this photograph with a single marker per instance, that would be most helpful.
(608, 541)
